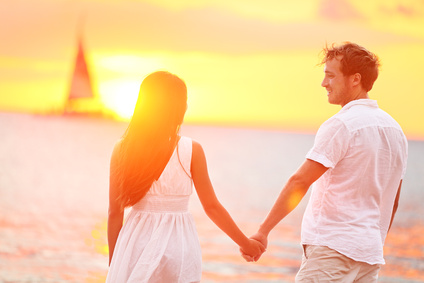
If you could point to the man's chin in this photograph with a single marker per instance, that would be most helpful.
(332, 101)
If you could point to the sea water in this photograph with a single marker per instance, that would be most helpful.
(54, 196)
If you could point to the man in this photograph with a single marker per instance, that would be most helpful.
(357, 164)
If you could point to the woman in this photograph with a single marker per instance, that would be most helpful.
(153, 170)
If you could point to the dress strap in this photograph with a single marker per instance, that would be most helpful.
(184, 153)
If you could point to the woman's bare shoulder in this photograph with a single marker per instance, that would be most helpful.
(196, 147)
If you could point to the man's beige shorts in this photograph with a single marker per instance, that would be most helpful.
(322, 264)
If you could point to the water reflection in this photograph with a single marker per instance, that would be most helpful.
(404, 254)
(53, 202)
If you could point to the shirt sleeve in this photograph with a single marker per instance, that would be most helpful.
(331, 143)
(405, 146)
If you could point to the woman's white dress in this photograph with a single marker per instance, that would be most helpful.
(158, 241)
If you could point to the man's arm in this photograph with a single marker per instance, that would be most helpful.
(290, 196)
(395, 205)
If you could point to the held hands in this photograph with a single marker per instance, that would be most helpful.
(253, 250)
(259, 240)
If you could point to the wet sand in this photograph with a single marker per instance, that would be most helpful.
(54, 194)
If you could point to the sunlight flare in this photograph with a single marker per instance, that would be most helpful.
(120, 96)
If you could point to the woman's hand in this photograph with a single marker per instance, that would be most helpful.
(253, 250)
(258, 237)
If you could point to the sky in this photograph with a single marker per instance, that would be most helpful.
(245, 62)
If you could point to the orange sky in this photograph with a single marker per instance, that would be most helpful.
(245, 62)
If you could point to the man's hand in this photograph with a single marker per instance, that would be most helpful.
(263, 240)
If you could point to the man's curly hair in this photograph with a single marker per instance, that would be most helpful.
(354, 59)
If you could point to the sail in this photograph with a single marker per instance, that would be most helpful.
(82, 99)
(80, 82)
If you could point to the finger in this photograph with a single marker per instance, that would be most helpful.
(243, 253)
(247, 258)
(256, 258)
(261, 246)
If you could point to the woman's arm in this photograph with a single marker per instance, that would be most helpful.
(115, 213)
(213, 208)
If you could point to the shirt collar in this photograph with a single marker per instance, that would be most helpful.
(363, 101)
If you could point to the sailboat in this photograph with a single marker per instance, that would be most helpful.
(81, 98)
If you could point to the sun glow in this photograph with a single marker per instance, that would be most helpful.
(119, 79)
(251, 78)
(120, 96)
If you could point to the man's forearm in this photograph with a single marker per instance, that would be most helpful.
(395, 205)
(290, 196)
(292, 193)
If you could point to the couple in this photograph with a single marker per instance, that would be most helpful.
(356, 164)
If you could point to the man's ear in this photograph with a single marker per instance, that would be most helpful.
(356, 79)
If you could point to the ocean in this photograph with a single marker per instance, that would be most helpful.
(54, 200)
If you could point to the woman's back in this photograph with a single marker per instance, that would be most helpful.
(159, 242)
(175, 179)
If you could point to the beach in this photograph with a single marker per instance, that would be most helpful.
(54, 174)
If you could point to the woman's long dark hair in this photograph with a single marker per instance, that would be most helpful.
(151, 136)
